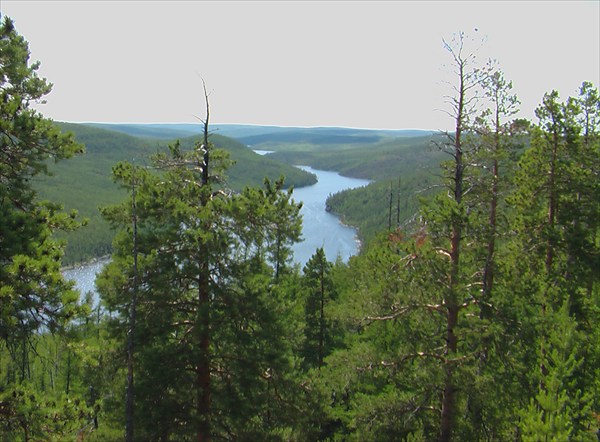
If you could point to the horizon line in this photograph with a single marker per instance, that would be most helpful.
(255, 125)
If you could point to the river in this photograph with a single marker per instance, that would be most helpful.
(320, 228)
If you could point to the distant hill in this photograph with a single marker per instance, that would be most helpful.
(387, 158)
(409, 161)
(255, 135)
(154, 131)
(250, 168)
(382, 156)
(313, 136)
(84, 183)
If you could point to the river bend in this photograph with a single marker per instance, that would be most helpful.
(320, 228)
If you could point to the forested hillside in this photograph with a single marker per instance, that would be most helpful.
(477, 321)
(263, 137)
(85, 183)
(403, 169)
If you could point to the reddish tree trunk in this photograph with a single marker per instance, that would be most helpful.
(449, 397)
(448, 410)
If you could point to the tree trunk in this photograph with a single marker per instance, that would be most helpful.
(203, 387)
(448, 410)
(449, 397)
(488, 271)
(452, 308)
(322, 316)
(68, 386)
(552, 202)
(129, 403)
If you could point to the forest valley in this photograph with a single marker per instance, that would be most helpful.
(476, 321)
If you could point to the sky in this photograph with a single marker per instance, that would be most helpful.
(307, 63)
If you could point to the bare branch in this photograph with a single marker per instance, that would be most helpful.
(421, 354)
(394, 315)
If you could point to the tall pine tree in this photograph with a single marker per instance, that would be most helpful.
(208, 260)
(35, 300)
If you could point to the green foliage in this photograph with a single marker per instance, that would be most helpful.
(476, 319)
(33, 294)
(399, 294)
(559, 228)
(274, 209)
(368, 208)
(45, 392)
(410, 158)
(95, 188)
(207, 261)
(29, 415)
(560, 410)
(385, 159)
(318, 291)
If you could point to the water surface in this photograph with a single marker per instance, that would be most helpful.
(320, 228)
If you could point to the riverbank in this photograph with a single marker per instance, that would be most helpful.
(320, 228)
(86, 263)
(85, 275)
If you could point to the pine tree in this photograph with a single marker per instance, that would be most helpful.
(561, 409)
(205, 296)
(35, 300)
(318, 292)
(556, 202)
(426, 325)
(32, 290)
(456, 291)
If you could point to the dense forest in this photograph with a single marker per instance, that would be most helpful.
(96, 188)
(472, 315)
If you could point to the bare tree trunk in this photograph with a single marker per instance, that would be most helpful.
(24, 359)
(203, 381)
(448, 409)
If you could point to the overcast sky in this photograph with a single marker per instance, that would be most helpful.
(354, 64)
